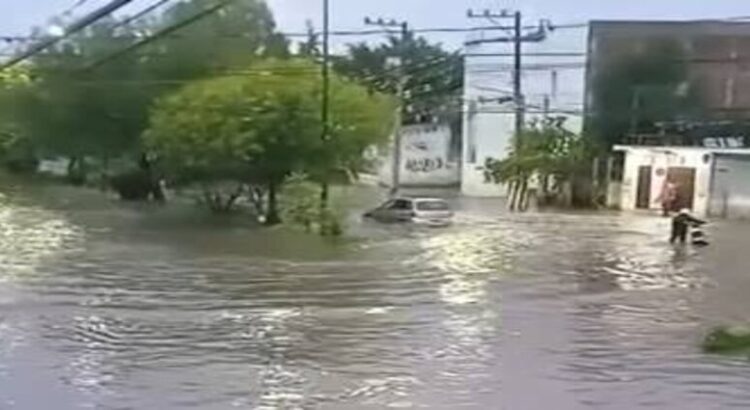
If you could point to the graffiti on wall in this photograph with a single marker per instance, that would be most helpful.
(425, 157)
(424, 165)
(426, 149)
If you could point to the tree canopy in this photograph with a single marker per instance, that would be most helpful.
(102, 111)
(434, 75)
(263, 126)
(545, 150)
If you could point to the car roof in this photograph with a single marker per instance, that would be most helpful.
(419, 199)
(428, 199)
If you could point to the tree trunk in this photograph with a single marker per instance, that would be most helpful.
(256, 196)
(157, 193)
(272, 211)
(104, 176)
(325, 194)
(523, 200)
(514, 188)
(232, 199)
(76, 171)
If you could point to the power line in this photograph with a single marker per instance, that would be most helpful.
(144, 12)
(79, 25)
(338, 33)
(70, 10)
(531, 54)
(162, 33)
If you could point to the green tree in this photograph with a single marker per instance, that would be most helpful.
(231, 38)
(81, 113)
(545, 150)
(434, 80)
(262, 127)
(97, 114)
(16, 150)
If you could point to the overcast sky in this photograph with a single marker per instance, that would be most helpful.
(18, 16)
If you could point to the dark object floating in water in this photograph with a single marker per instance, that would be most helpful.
(699, 238)
(728, 339)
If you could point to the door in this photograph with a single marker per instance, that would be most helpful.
(684, 179)
(382, 212)
(402, 210)
(643, 201)
(730, 190)
(397, 210)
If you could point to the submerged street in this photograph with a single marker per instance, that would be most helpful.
(104, 305)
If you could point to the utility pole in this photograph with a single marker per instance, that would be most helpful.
(401, 95)
(325, 106)
(517, 86)
(518, 38)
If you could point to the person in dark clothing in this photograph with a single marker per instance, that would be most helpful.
(681, 225)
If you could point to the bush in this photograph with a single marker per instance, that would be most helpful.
(734, 339)
(301, 206)
(133, 185)
(18, 154)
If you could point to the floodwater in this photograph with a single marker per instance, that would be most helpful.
(108, 306)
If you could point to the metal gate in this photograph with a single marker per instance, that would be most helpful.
(730, 187)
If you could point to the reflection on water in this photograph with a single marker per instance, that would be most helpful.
(112, 306)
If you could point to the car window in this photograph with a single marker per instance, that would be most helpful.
(432, 206)
(387, 205)
(401, 205)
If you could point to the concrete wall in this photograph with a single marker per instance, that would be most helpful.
(489, 125)
(55, 167)
(661, 159)
(425, 158)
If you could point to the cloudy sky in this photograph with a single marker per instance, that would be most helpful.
(18, 16)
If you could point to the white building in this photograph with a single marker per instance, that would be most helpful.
(553, 83)
(711, 181)
(426, 158)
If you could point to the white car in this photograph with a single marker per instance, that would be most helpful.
(423, 211)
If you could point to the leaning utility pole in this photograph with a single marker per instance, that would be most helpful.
(401, 94)
(518, 38)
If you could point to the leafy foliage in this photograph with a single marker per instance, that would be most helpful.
(16, 150)
(434, 76)
(544, 150)
(260, 129)
(301, 207)
(734, 339)
(73, 111)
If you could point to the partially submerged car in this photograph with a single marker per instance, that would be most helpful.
(423, 211)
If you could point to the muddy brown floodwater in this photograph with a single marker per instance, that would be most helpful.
(106, 306)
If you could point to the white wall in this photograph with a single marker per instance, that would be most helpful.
(488, 125)
(55, 167)
(661, 159)
(425, 159)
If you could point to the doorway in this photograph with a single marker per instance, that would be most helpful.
(643, 200)
(684, 178)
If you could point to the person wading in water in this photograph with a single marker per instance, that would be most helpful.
(681, 225)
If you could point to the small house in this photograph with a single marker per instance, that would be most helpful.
(713, 182)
